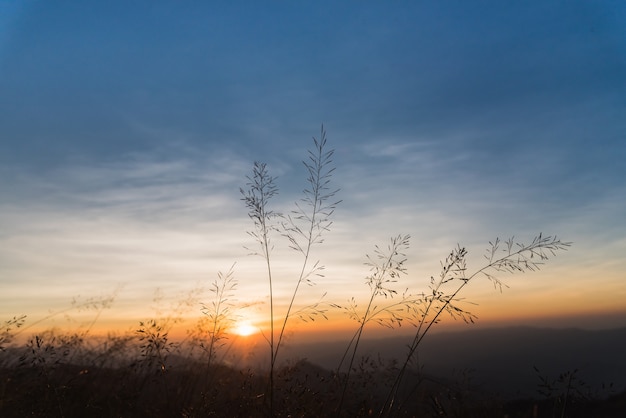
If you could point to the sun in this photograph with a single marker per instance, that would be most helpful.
(245, 329)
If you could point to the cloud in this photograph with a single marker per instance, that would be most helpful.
(129, 172)
(81, 228)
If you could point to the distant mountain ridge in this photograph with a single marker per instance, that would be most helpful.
(500, 360)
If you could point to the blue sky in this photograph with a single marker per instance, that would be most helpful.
(127, 129)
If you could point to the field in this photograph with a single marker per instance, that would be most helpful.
(135, 375)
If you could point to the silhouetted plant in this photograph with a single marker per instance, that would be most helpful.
(154, 346)
(7, 332)
(564, 391)
(43, 355)
(261, 190)
(309, 221)
(220, 312)
(303, 228)
(511, 257)
(386, 267)
(154, 350)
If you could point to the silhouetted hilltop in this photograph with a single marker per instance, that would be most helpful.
(500, 360)
(475, 373)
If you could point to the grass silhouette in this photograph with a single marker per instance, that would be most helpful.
(145, 373)
(303, 227)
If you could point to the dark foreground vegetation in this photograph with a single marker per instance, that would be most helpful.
(61, 378)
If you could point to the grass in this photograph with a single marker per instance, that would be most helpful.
(145, 373)
(303, 228)
(87, 387)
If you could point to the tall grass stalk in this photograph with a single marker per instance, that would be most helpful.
(154, 351)
(386, 266)
(261, 189)
(220, 312)
(314, 212)
(44, 356)
(303, 228)
(507, 257)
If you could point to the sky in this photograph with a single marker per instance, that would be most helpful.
(128, 128)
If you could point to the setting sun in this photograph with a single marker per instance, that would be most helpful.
(245, 329)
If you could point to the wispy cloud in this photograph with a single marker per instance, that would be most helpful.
(122, 157)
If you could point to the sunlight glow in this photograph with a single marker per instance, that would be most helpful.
(245, 329)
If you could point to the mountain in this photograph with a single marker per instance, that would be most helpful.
(509, 362)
